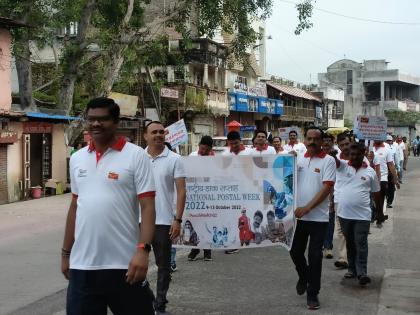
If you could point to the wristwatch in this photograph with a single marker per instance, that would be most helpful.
(145, 246)
(178, 220)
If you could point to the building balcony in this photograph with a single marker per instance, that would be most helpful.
(304, 114)
(406, 106)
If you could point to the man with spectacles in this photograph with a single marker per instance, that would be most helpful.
(104, 256)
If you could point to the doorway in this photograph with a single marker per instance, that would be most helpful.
(40, 158)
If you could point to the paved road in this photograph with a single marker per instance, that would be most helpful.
(259, 281)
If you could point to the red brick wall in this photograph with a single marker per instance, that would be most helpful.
(3, 174)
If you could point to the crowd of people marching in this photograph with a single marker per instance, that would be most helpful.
(342, 185)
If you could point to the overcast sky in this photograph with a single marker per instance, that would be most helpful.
(332, 37)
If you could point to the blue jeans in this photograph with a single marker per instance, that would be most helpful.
(173, 256)
(329, 234)
(356, 234)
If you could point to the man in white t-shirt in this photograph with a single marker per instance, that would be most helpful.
(104, 255)
(261, 146)
(395, 155)
(383, 158)
(169, 175)
(402, 151)
(294, 146)
(235, 148)
(235, 145)
(205, 148)
(277, 145)
(315, 181)
(359, 180)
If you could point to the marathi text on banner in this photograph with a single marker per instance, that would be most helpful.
(235, 202)
(371, 127)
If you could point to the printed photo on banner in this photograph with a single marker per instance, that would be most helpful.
(284, 132)
(239, 202)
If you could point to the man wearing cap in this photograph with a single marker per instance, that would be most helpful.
(294, 146)
(104, 256)
(169, 175)
(315, 180)
(261, 146)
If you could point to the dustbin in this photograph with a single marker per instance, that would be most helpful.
(36, 192)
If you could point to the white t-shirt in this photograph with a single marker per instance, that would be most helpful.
(400, 149)
(383, 155)
(299, 148)
(107, 187)
(339, 177)
(354, 199)
(395, 154)
(244, 151)
(267, 150)
(167, 167)
(312, 173)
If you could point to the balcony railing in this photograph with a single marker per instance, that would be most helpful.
(299, 112)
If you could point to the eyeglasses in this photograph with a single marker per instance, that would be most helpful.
(100, 119)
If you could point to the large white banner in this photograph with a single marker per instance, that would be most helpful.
(237, 202)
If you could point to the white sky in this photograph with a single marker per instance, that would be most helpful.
(331, 37)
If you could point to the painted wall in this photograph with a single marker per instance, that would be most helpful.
(5, 69)
(59, 154)
(14, 165)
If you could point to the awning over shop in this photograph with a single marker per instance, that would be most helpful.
(293, 91)
(48, 116)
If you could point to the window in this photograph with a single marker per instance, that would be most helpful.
(349, 89)
(349, 76)
(70, 30)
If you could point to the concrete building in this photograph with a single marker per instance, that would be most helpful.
(371, 88)
(333, 106)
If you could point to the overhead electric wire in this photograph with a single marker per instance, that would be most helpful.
(357, 18)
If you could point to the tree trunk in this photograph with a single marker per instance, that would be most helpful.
(22, 54)
(74, 58)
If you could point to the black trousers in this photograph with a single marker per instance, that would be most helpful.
(162, 245)
(309, 271)
(356, 234)
(91, 292)
(390, 191)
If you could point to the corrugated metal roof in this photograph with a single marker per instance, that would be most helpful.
(11, 113)
(48, 116)
(290, 90)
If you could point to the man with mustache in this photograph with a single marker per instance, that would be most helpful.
(315, 181)
(104, 255)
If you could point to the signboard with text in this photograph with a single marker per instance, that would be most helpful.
(169, 93)
(370, 127)
(8, 137)
(239, 202)
(177, 134)
(37, 127)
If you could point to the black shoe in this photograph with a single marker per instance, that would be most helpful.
(389, 206)
(341, 265)
(313, 302)
(207, 258)
(364, 280)
(232, 251)
(301, 286)
(173, 268)
(349, 275)
(192, 256)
